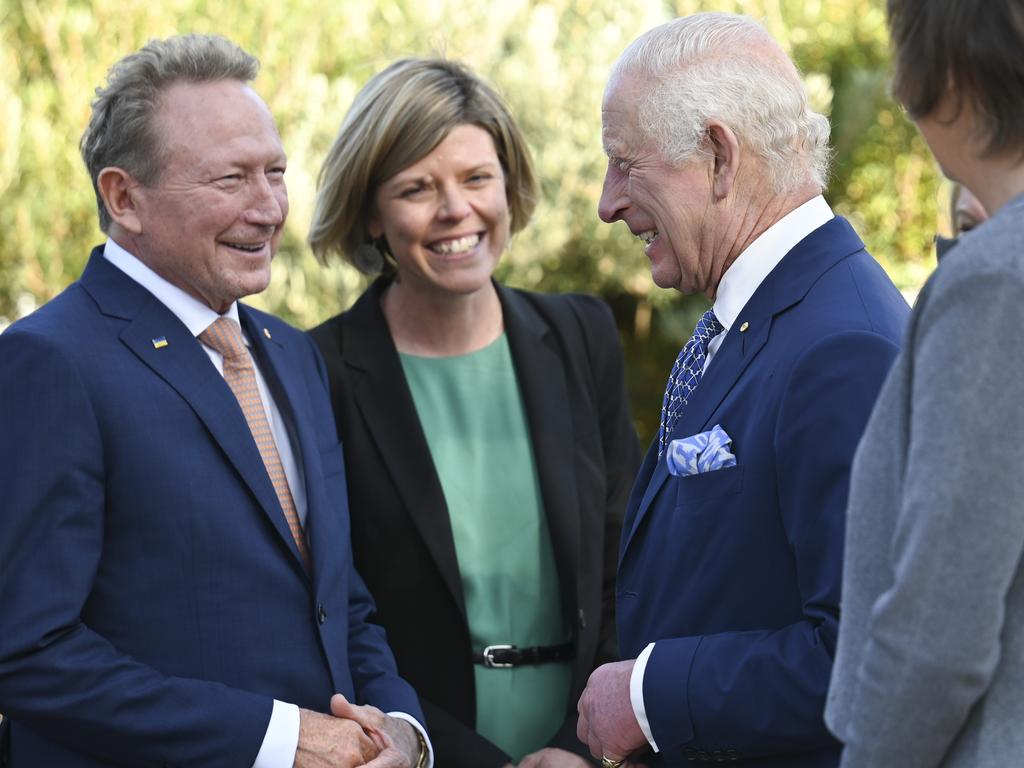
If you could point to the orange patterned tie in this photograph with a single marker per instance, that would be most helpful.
(225, 336)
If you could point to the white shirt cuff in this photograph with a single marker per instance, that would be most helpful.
(282, 738)
(636, 694)
(415, 724)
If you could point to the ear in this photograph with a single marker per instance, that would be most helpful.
(374, 228)
(121, 195)
(723, 144)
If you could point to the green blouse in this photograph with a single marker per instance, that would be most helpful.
(472, 414)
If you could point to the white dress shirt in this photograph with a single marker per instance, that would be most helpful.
(738, 284)
(282, 737)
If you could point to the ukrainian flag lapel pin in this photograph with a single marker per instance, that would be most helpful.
(159, 342)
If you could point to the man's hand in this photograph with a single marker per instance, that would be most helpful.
(607, 722)
(330, 742)
(553, 758)
(395, 738)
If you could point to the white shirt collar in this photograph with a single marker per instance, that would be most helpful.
(762, 256)
(193, 313)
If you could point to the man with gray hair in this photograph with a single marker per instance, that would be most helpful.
(730, 563)
(176, 578)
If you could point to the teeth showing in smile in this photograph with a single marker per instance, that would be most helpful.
(250, 247)
(461, 245)
(648, 236)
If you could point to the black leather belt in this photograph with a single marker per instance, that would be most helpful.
(507, 656)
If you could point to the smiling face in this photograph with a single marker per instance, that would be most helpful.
(670, 207)
(213, 220)
(446, 217)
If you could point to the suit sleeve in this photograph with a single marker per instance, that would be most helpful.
(457, 745)
(762, 691)
(57, 676)
(621, 449)
(934, 636)
(371, 662)
(374, 671)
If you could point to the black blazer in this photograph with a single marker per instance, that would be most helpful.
(570, 369)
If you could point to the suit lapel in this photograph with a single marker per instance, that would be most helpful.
(163, 343)
(784, 286)
(290, 396)
(389, 413)
(728, 364)
(540, 372)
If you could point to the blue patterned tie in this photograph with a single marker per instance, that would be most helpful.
(685, 376)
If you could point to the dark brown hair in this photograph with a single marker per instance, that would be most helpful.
(971, 51)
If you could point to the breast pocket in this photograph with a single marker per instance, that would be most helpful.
(695, 491)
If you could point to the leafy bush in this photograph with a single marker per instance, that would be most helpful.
(549, 59)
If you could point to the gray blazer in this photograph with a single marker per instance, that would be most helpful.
(929, 669)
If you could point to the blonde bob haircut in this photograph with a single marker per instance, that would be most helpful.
(399, 117)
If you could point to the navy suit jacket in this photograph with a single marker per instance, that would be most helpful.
(153, 600)
(736, 572)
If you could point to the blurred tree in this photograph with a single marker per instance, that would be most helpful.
(549, 58)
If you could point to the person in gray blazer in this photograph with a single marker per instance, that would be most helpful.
(930, 663)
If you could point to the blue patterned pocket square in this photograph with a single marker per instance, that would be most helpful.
(701, 453)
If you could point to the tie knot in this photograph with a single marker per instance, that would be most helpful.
(225, 336)
(707, 328)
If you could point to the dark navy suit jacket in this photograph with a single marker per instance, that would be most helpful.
(153, 600)
(736, 572)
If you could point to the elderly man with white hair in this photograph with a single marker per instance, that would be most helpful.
(730, 563)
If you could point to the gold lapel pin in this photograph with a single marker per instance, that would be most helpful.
(744, 327)
(159, 342)
(266, 333)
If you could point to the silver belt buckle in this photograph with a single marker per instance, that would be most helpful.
(488, 655)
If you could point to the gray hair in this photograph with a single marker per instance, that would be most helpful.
(121, 132)
(723, 66)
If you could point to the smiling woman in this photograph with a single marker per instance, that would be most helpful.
(445, 220)
(488, 439)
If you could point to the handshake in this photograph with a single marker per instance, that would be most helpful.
(357, 736)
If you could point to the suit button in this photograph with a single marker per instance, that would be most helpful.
(702, 755)
(321, 614)
(690, 754)
(583, 619)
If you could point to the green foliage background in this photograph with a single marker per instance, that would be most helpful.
(549, 58)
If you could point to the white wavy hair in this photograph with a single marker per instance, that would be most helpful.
(728, 67)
